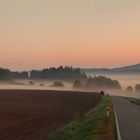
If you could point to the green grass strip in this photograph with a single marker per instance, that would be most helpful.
(86, 128)
(133, 100)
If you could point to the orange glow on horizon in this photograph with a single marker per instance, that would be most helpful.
(37, 33)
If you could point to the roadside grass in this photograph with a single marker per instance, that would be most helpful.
(92, 126)
(133, 100)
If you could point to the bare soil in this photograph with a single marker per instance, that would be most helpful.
(34, 114)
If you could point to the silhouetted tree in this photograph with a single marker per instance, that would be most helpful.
(129, 89)
(102, 82)
(102, 93)
(31, 83)
(60, 73)
(42, 85)
(20, 75)
(77, 84)
(5, 74)
(58, 84)
(137, 88)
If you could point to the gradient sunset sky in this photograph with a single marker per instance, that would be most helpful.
(80, 33)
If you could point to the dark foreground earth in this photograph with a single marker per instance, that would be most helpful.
(34, 114)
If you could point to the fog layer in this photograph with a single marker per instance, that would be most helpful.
(125, 81)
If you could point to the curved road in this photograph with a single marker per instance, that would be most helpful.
(128, 116)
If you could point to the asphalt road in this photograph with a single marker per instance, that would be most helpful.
(128, 116)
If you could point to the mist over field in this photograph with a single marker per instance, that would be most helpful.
(125, 80)
(24, 84)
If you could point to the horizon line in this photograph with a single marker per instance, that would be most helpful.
(94, 67)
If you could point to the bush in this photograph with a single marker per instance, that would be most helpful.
(31, 83)
(42, 85)
(102, 93)
(77, 84)
(58, 84)
(132, 101)
(129, 89)
(137, 88)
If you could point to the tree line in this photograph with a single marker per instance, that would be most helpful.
(97, 82)
(62, 73)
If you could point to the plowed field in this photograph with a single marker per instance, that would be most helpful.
(34, 114)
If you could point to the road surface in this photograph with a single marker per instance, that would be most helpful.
(128, 117)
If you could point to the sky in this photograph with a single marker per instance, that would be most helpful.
(82, 33)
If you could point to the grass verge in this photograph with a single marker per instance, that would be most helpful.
(133, 100)
(93, 126)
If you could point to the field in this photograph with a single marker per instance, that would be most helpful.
(34, 114)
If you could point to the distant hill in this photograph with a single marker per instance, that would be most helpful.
(132, 69)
